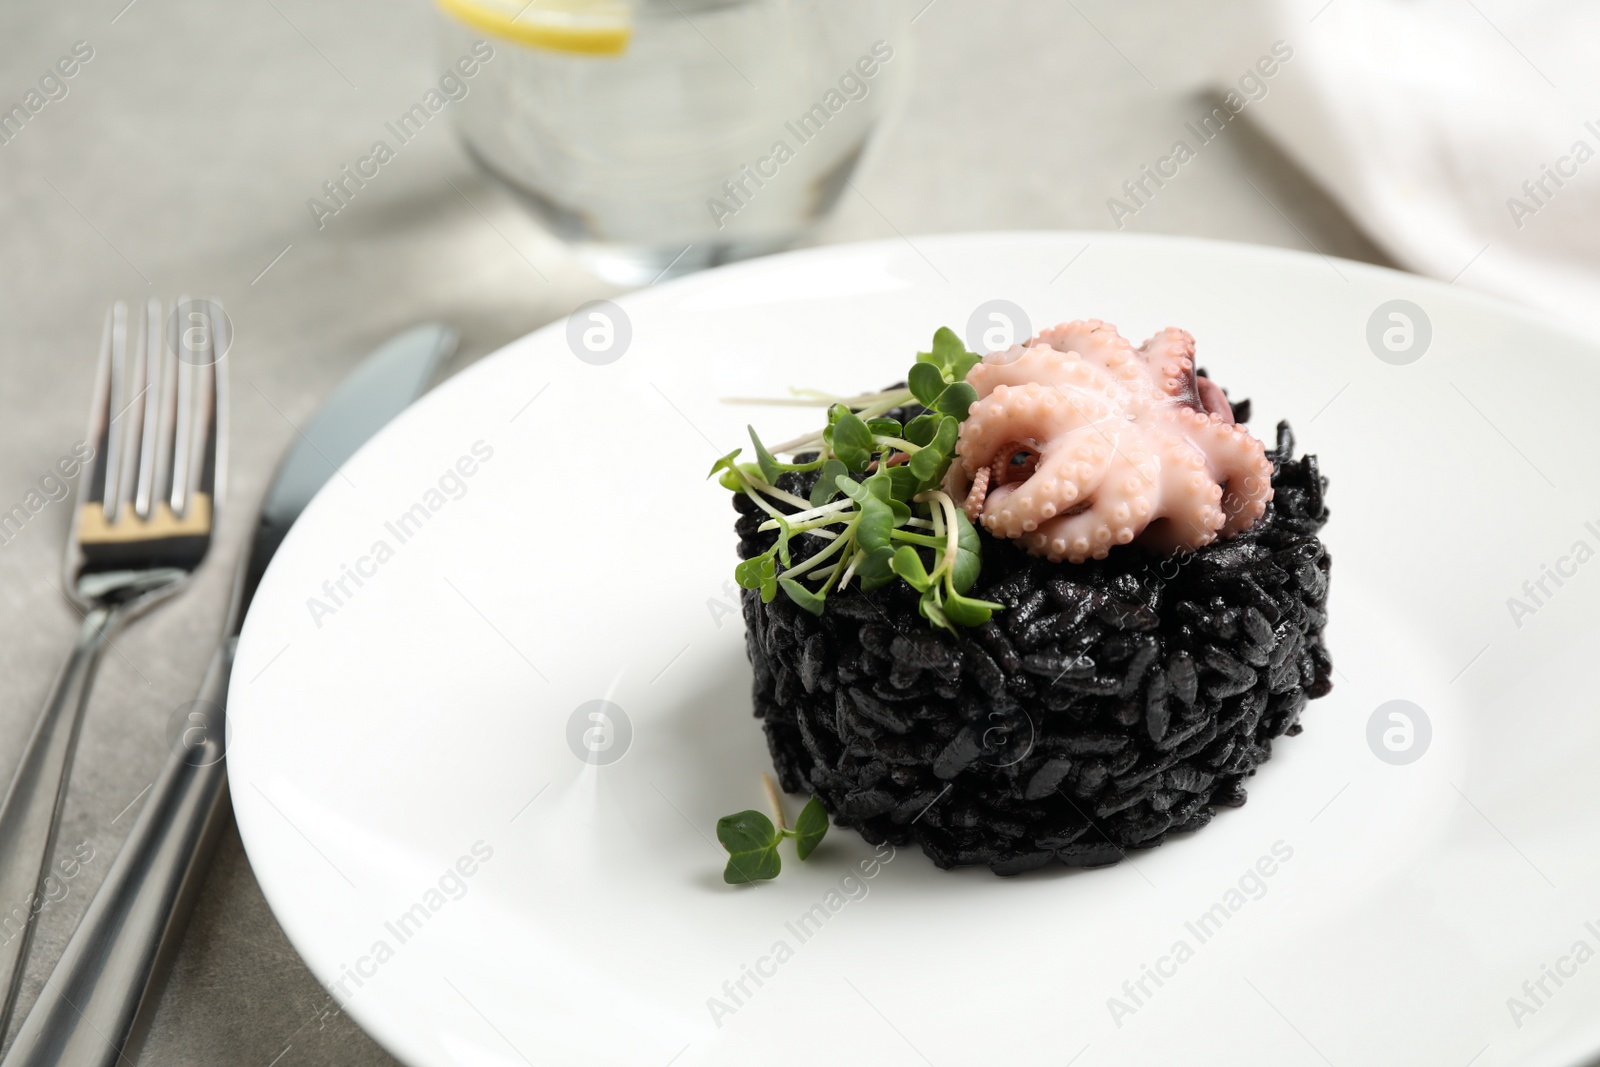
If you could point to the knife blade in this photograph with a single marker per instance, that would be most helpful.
(96, 1007)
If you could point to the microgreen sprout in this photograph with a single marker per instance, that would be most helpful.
(878, 503)
(752, 840)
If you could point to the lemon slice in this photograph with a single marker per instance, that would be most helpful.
(581, 27)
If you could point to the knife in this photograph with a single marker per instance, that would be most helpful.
(95, 1009)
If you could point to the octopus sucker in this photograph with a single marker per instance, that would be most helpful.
(973, 504)
(1080, 440)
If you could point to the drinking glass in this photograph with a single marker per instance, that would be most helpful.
(661, 136)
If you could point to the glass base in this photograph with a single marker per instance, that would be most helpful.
(640, 265)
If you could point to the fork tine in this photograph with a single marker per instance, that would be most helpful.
(115, 438)
(211, 440)
(92, 489)
(166, 415)
(183, 427)
(151, 404)
(128, 417)
(194, 464)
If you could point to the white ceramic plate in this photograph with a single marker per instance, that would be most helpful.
(415, 726)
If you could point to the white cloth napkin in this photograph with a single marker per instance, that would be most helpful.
(1462, 135)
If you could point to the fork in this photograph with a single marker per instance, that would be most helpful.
(147, 508)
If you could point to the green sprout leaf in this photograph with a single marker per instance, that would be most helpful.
(875, 524)
(809, 828)
(904, 481)
(726, 462)
(927, 382)
(908, 565)
(929, 471)
(875, 570)
(969, 555)
(955, 400)
(920, 430)
(852, 442)
(752, 844)
(886, 487)
(885, 427)
(928, 465)
(881, 484)
(967, 611)
(759, 572)
(798, 593)
(748, 572)
(932, 608)
(827, 486)
(853, 489)
(963, 364)
(770, 467)
(785, 535)
(947, 348)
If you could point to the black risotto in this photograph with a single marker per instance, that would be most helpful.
(1111, 704)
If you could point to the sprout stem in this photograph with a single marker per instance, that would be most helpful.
(890, 401)
(764, 506)
(817, 560)
(833, 575)
(814, 513)
(917, 539)
(773, 799)
(867, 407)
(849, 572)
(808, 527)
(948, 506)
(815, 398)
(799, 444)
(782, 401)
(779, 494)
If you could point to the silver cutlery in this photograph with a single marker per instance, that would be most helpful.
(147, 506)
(96, 1007)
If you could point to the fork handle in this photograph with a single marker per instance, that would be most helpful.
(97, 1006)
(31, 812)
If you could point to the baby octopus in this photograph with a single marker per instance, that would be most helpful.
(1079, 441)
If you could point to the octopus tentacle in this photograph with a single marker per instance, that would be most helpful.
(973, 504)
(1170, 356)
(1092, 338)
(1037, 365)
(1023, 412)
(1247, 487)
(1076, 538)
(1069, 473)
(1124, 502)
(1192, 514)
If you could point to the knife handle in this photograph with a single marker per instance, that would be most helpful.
(96, 1007)
(30, 814)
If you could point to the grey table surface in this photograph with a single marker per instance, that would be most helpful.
(181, 161)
